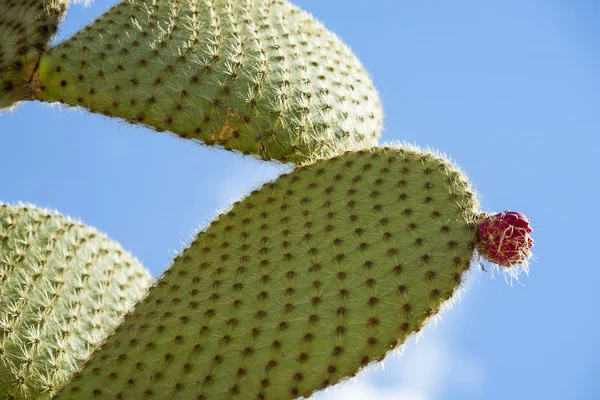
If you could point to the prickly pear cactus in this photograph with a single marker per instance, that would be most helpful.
(298, 286)
(26, 27)
(63, 288)
(295, 288)
(258, 76)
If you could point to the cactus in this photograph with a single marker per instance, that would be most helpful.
(258, 76)
(298, 286)
(26, 27)
(295, 288)
(63, 288)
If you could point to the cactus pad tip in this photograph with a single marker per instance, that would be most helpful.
(505, 238)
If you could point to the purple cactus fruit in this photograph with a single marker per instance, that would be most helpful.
(505, 238)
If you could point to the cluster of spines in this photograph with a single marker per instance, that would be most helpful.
(258, 76)
(299, 285)
(63, 288)
(26, 27)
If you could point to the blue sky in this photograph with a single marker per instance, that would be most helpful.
(509, 89)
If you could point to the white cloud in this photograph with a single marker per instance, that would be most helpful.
(423, 373)
(362, 390)
(427, 367)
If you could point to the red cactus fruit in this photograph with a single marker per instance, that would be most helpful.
(505, 239)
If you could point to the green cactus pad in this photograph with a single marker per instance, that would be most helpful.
(298, 286)
(26, 27)
(63, 288)
(257, 76)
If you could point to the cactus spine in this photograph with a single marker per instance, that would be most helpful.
(298, 286)
(63, 288)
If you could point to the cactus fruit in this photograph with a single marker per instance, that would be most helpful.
(63, 288)
(505, 238)
(26, 27)
(258, 76)
(297, 286)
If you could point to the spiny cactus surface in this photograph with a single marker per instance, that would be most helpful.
(26, 27)
(298, 286)
(257, 76)
(63, 288)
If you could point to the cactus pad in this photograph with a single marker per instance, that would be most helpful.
(257, 76)
(26, 27)
(297, 286)
(63, 288)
